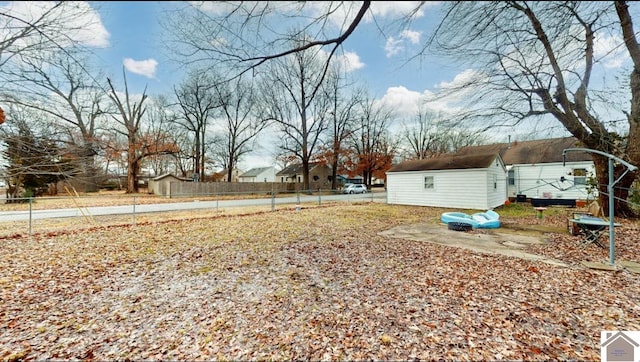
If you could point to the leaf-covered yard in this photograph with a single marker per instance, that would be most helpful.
(317, 284)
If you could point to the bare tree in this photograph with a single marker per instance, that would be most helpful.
(429, 134)
(48, 26)
(62, 87)
(538, 61)
(373, 146)
(198, 101)
(243, 123)
(243, 35)
(161, 131)
(292, 100)
(129, 116)
(342, 115)
(424, 136)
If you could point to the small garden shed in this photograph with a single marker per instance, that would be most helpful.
(453, 181)
(160, 185)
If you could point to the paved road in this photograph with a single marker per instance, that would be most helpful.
(6, 216)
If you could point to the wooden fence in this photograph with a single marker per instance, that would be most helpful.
(186, 188)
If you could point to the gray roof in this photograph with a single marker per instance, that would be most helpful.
(163, 176)
(255, 171)
(447, 162)
(296, 169)
(533, 152)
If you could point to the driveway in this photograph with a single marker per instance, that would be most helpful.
(491, 241)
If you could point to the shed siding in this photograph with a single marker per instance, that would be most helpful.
(464, 189)
(533, 180)
(498, 195)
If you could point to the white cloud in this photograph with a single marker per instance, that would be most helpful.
(405, 102)
(341, 14)
(466, 77)
(78, 21)
(443, 100)
(146, 68)
(412, 36)
(350, 61)
(399, 8)
(89, 28)
(394, 46)
(610, 50)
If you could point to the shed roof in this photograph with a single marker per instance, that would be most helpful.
(533, 152)
(447, 162)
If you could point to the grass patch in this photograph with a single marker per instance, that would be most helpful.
(518, 210)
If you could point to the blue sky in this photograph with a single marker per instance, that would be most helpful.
(134, 41)
(129, 34)
(134, 36)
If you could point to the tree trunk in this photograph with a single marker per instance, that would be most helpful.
(230, 170)
(632, 148)
(621, 207)
(334, 173)
(305, 175)
(132, 169)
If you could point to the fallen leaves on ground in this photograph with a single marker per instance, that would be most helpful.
(318, 284)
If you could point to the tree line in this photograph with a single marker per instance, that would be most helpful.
(531, 64)
(68, 121)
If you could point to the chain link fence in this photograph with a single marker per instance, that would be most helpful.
(21, 217)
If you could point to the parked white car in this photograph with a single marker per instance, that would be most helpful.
(355, 189)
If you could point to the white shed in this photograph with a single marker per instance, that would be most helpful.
(475, 181)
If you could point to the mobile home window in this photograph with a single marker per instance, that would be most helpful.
(512, 177)
(428, 182)
(579, 176)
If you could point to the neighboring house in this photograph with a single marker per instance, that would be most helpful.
(160, 185)
(475, 181)
(535, 168)
(259, 174)
(221, 176)
(318, 173)
(345, 179)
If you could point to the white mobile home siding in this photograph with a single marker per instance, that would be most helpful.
(534, 180)
(462, 189)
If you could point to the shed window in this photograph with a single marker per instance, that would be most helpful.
(428, 182)
(512, 177)
(579, 176)
(495, 182)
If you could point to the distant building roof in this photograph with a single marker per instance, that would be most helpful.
(163, 176)
(533, 152)
(255, 171)
(447, 162)
(296, 169)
